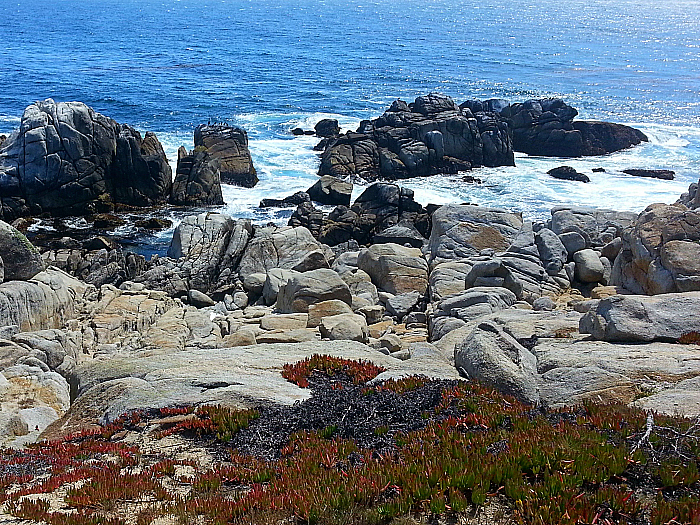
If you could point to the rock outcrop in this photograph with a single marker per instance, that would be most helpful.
(229, 145)
(67, 159)
(660, 252)
(197, 179)
(546, 127)
(431, 135)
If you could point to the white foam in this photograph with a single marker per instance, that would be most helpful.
(287, 164)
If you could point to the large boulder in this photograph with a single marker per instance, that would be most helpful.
(492, 356)
(327, 128)
(197, 180)
(200, 242)
(304, 289)
(394, 268)
(230, 146)
(275, 247)
(660, 252)
(67, 159)
(597, 226)
(461, 231)
(21, 259)
(553, 254)
(631, 318)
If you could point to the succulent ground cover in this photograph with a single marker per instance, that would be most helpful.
(360, 452)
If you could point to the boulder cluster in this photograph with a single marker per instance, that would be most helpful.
(546, 312)
(435, 135)
(66, 159)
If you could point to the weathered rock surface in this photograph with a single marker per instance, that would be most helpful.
(238, 377)
(494, 357)
(67, 159)
(346, 327)
(229, 146)
(46, 301)
(589, 267)
(460, 231)
(598, 227)
(660, 252)
(308, 288)
(630, 318)
(273, 247)
(394, 268)
(197, 180)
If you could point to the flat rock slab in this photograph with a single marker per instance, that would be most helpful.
(239, 377)
(574, 370)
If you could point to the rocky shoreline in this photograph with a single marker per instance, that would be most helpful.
(592, 305)
(589, 305)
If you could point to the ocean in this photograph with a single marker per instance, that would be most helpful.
(168, 65)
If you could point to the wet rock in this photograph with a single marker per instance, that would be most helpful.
(431, 135)
(568, 173)
(197, 179)
(327, 127)
(293, 200)
(545, 127)
(229, 145)
(154, 223)
(331, 190)
(654, 174)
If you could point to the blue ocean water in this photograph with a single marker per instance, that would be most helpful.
(169, 65)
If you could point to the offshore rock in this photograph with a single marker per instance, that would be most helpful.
(431, 135)
(546, 127)
(67, 159)
(230, 146)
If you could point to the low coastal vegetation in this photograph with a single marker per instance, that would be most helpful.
(469, 452)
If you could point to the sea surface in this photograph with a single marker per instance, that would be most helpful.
(168, 65)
